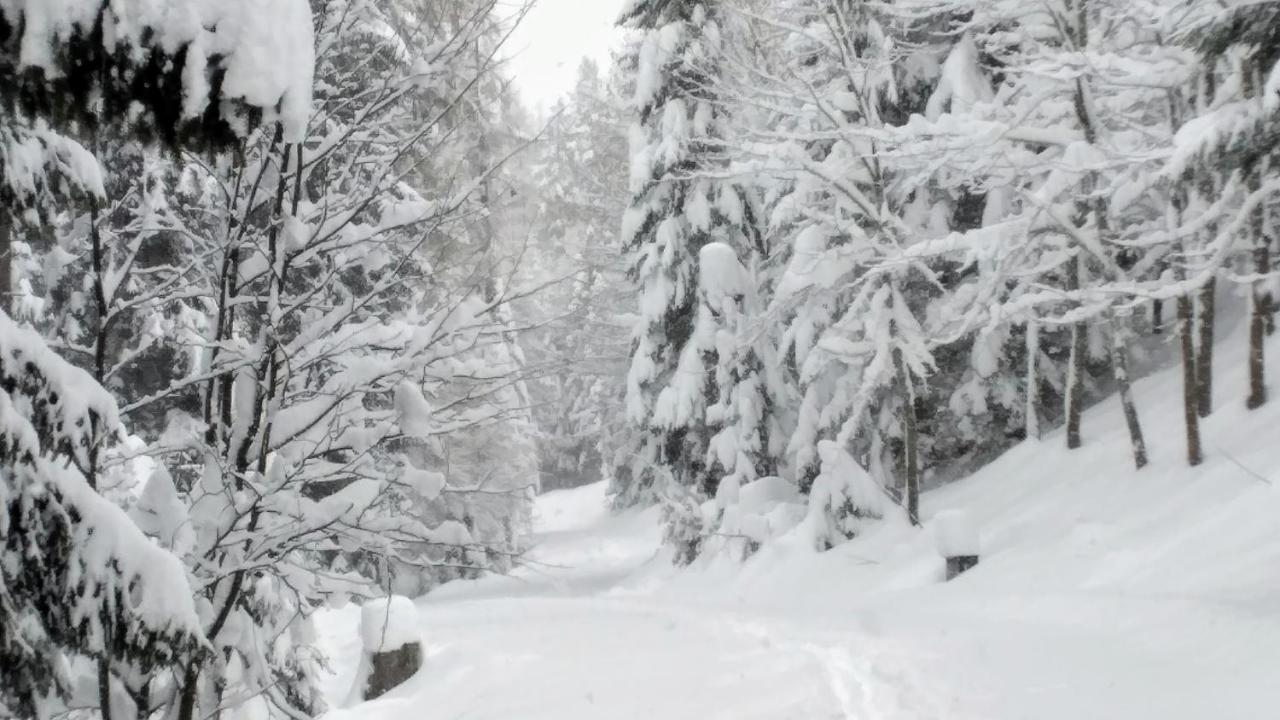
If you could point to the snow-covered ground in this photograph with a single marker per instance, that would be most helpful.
(1102, 593)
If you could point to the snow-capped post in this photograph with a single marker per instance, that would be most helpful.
(957, 541)
(392, 645)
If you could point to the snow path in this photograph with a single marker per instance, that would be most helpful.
(564, 639)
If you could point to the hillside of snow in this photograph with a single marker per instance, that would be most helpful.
(1101, 593)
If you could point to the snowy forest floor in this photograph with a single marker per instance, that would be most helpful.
(1102, 593)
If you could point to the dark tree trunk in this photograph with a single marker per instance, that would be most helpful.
(1190, 409)
(1204, 347)
(1075, 369)
(187, 699)
(1032, 420)
(1260, 297)
(1259, 311)
(104, 690)
(1120, 368)
(100, 329)
(1186, 320)
(910, 441)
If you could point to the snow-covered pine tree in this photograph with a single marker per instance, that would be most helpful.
(679, 204)
(743, 448)
(78, 581)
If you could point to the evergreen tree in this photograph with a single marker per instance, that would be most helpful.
(679, 205)
(78, 579)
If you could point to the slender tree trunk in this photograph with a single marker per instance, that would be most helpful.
(1033, 381)
(1075, 365)
(1259, 296)
(1075, 371)
(1186, 313)
(910, 441)
(1157, 317)
(1205, 321)
(1120, 368)
(104, 689)
(1174, 212)
(101, 324)
(100, 330)
(1190, 405)
(187, 699)
(1206, 302)
(1259, 309)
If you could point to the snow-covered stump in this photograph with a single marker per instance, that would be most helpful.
(392, 645)
(957, 541)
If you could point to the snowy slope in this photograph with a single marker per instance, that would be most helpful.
(1102, 593)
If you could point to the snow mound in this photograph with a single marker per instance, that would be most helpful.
(764, 494)
(450, 532)
(955, 534)
(427, 483)
(388, 624)
(414, 410)
(722, 276)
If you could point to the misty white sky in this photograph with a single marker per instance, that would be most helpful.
(553, 39)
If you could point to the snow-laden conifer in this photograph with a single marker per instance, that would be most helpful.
(679, 204)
